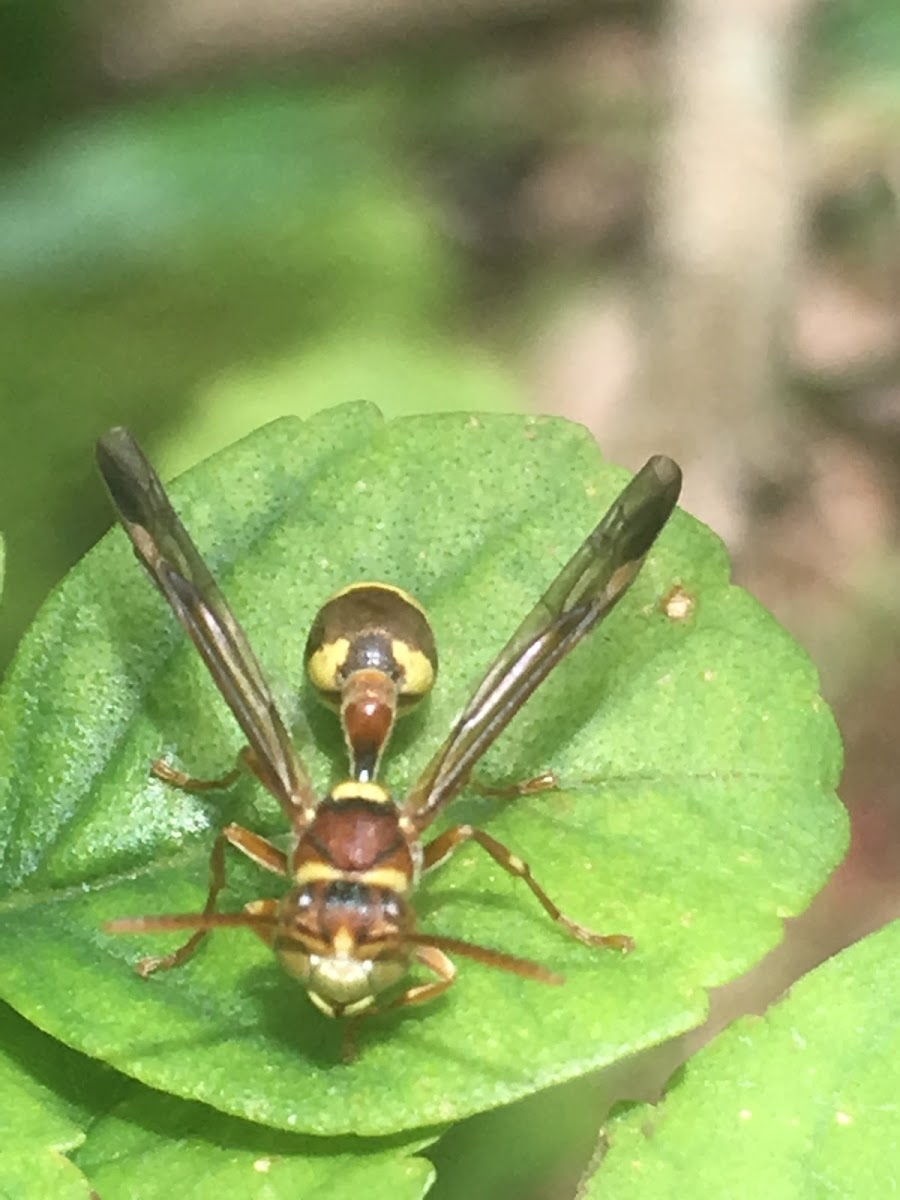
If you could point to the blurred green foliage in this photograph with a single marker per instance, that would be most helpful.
(861, 38)
(197, 262)
(39, 69)
(193, 267)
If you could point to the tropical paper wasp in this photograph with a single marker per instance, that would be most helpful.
(346, 928)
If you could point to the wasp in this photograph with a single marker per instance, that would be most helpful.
(346, 927)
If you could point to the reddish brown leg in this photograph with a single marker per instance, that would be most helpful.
(263, 853)
(299, 808)
(264, 908)
(442, 847)
(420, 993)
(190, 783)
(545, 782)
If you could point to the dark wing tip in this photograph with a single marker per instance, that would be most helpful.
(125, 471)
(668, 475)
(647, 503)
(114, 443)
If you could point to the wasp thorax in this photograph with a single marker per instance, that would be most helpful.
(371, 654)
(344, 940)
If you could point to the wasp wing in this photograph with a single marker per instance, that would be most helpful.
(587, 588)
(165, 548)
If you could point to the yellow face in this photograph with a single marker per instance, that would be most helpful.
(343, 987)
(342, 940)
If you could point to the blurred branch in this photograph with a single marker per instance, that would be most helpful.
(726, 211)
(150, 38)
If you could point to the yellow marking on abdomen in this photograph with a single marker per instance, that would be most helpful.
(324, 666)
(418, 673)
(353, 789)
(390, 878)
(316, 871)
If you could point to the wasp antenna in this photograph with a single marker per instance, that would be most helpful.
(487, 955)
(188, 921)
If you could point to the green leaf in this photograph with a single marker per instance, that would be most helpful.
(153, 1147)
(532, 1147)
(697, 765)
(800, 1102)
(398, 372)
(43, 1112)
(67, 1133)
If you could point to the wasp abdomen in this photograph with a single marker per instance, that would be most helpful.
(372, 626)
(371, 654)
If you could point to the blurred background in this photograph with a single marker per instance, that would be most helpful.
(675, 222)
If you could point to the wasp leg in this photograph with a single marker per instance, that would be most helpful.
(265, 908)
(442, 847)
(545, 782)
(263, 853)
(246, 761)
(420, 993)
(190, 783)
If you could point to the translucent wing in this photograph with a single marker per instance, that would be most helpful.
(587, 588)
(165, 548)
